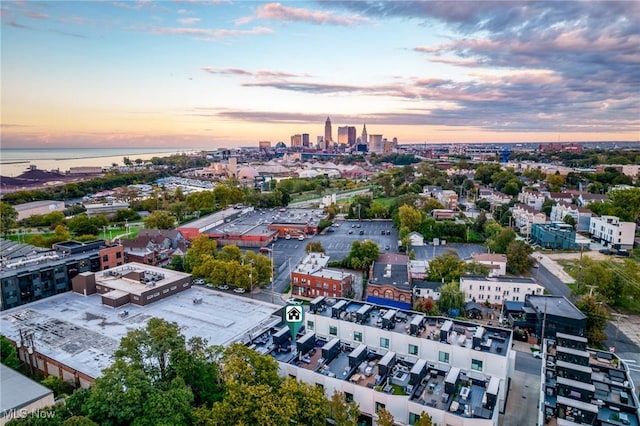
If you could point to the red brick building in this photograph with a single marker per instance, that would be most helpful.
(111, 255)
(312, 278)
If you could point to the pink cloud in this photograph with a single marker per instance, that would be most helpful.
(210, 34)
(36, 15)
(188, 21)
(286, 13)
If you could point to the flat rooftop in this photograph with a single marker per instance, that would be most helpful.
(115, 278)
(81, 332)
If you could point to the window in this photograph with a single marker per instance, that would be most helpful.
(320, 386)
(413, 417)
(348, 397)
(105, 258)
(476, 365)
(357, 336)
(118, 255)
(384, 342)
(333, 330)
(413, 349)
(481, 288)
(310, 325)
(443, 357)
(379, 406)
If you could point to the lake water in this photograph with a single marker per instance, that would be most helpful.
(13, 162)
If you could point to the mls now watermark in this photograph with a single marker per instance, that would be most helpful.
(15, 413)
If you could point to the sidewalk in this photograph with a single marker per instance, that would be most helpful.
(554, 267)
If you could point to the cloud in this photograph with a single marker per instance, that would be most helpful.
(259, 116)
(279, 12)
(209, 34)
(188, 21)
(36, 15)
(66, 33)
(242, 72)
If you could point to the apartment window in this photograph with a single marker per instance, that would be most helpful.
(118, 255)
(413, 418)
(443, 357)
(497, 297)
(384, 342)
(470, 287)
(310, 325)
(105, 258)
(295, 280)
(481, 288)
(348, 397)
(476, 365)
(413, 349)
(481, 296)
(357, 336)
(333, 330)
(488, 288)
(379, 406)
(498, 288)
(320, 386)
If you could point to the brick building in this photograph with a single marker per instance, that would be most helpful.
(311, 278)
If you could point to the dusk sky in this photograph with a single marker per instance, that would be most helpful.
(224, 73)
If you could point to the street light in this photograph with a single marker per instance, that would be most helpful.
(251, 277)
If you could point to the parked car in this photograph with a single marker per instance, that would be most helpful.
(605, 251)
(223, 287)
(537, 354)
(623, 253)
(293, 301)
(387, 247)
(361, 232)
(351, 231)
(301, 238)
(239, 290)
(287, 237)
(199, 281)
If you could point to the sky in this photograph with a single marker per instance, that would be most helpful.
(192, 74)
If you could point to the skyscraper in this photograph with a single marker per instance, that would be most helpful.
(365, 137)
(351, 140)
(305, 140)
(327, 132)
(343, 135)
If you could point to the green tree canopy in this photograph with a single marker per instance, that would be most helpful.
(450, 297)
(159, 219)
(597, 317)
(8, 353)
(518, 257)
(362, 254)
(446, 267)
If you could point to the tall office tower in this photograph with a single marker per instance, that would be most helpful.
(305, 140)
(327, 132)
(351, 139)
(376, 144)
(296, 141)
(319, 142)
(343, 135)
(365, 137)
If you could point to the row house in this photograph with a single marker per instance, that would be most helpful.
(525, 216)
(609, 230)
(582, 385)
(532, 199)
(311, 278)
(561, 197)
(496, 291)
(581, 215)
(586, 198)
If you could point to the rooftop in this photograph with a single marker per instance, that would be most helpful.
(555, 305)
(81, 332)
(18, 391)
(135, 278)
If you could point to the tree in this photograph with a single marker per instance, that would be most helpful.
(426, 305)
(570, 220)
(424, 420)
(177, 263)
(343, 413)
(314, 247)
(159, 220)
(597, 317)
(385, 418)
(362, 254)
(476, 268)
(446, 267)
(451, 297)
(500, 242)
(409, 217)
(79, 421)
(200, 246)
(57, 385)
(82, 224)
(8, 353)
(518, 257)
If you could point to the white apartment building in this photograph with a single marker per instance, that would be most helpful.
(532, 199)
(457, 372)
(497, 263)
(525, 216)
(581, 215)
(448, 198)
(498, 290)
(609, 230)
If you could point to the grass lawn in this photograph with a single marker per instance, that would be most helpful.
(387, 202)
(110, 234)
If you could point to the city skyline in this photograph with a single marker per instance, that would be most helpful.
(212, 74)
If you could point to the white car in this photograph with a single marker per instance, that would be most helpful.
(199, 281)
(537, 354)
(293, 301)
(239, 290)
(223, 287)
(301, 238)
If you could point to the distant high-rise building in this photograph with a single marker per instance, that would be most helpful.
(305, 140)
(296, 141)
(320, 142)
(343, 135)
(351, 139)
(327, 132)
(264, 145)
(365, 137)
(376, 144)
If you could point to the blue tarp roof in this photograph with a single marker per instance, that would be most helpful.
(388, 302)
